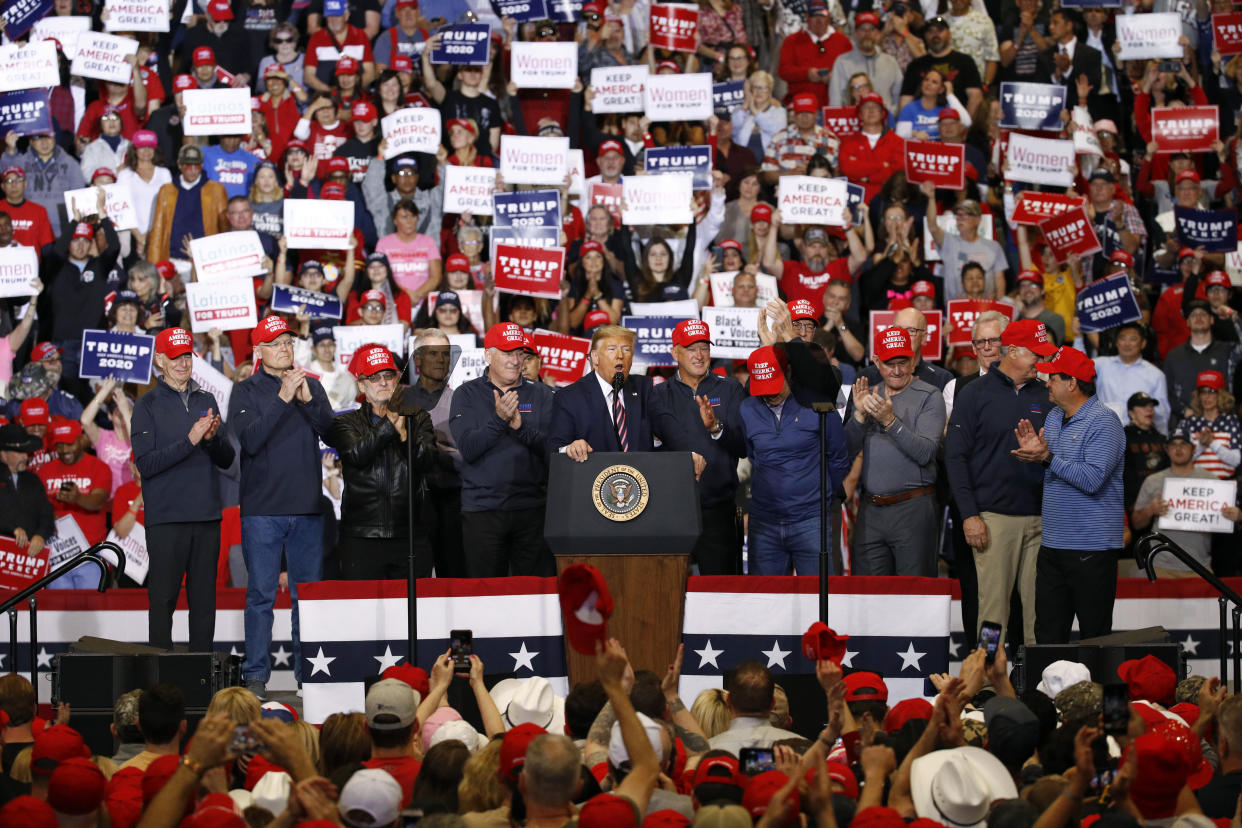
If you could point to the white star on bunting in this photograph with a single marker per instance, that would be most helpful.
(523, 658)
(387, 659)
(320, 663)
(910, 658)
(776, 655)
(708, 656)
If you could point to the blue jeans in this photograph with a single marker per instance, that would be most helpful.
(84, 577)
(780, 547)
(264, 537)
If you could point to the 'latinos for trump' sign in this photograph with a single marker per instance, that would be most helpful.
(468, 189)
(942, 164)
(126, 356)
(696, 160)
(317, 224)
(618, 89)
(534, 160)
(673, 26)
(678, 97)
(1195, 504)
(19, 272)
(1185, 128)
(1152, 35)
(1106, 304)
(411, 129)
(1041, 160)
(805, 199)
(543, 65)
(227, 256)
(529, 271)
(1032, 105)
(466, 44)
(1216, 231)
(1033, 207)
(216, 111)
(1227, 29)
(136, 16)
(106, 57)
(29, 67)
(1070, 234)
(227, 305)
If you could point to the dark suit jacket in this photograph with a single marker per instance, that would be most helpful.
(25, 506)
(581, 412)
(1087, 61)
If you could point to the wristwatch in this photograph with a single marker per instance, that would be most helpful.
(1047, 461)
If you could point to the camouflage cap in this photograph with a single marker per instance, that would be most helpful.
(1188, 689)
(1084, 700)
(975, 731)
(125, 711)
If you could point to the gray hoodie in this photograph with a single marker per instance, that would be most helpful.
(47, 182)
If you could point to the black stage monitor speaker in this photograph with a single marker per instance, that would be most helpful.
(1102, 656)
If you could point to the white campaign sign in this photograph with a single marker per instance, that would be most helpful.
(468, 189)
(227, 305)
(316, 224)
(679, 309)
(104, 56)
(470, 366)
(1233, 266)
(618, 89)
(678, 97)
(805, 199)
(214, 382)
(1152, 35)
(29, 67)
(134, 545)
(64, 29)
(735, 331)
(1195, 504)
(533, 160)
(136, 16)
(118, 203)
(543, 65)
(413, 129)
(350, 338)
(1040, 160)
(722, 288)
(67, 542)
(217, 111)
(577, 173)
(227, 256)
(657, 199)
(19, 267)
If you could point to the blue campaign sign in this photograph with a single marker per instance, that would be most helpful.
(564, 10)
(855, 197)
(1093, 4)
(1032, 105)
(1216, 231)
(698, 160)
(521, 10)
(20, 15)
(25, 112)
(527, 208)
(289, 299)
(654, 346)
(125, 356)
(466, 44)
(1107, 303)
(728, 96)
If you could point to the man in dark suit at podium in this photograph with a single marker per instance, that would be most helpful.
(607, 410)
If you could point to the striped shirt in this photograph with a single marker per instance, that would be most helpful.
(1220, 458)
(1083, 506)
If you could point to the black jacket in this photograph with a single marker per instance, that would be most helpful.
(376, 474)
(77, 296)
(25, 506)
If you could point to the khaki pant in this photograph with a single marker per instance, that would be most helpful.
(1013, 548)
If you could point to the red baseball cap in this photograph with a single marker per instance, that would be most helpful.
(65, 431)
(1163, 770)
(76, 787)
(719, 770)
(608, 811)
(220, 10)
(590, 246)
(1187, 175)
(767, 376)
(402, 63)
(83, 231)
(668, 64)
(803, 309)
(864, 686)
(878, 816)
(108, 171)
(923, 288)
(55, 744)
(870, 97)
(1030, 334)
(610, 146)
(44, 350)
(586, 605)
(1210, 379)
(416, 677)
(332, 191)
(1031, 275)
(1149, 678)
(761, 212)
(407, 4)
(866, 18)
(1217, 278)
(731, 244)
(690, 331)
(1185, 253)
(949, 114)
(1121, 257)
(594, 6)
(594, 319)
(841, 774)
(27, 812)
(365, 111)
(347, 66)
(464, 123)
(821, 643)
(184, 82)
(761, 789)
(906, 710)
(33, 412)
(457, 263)
(268, 329)
(1180, 734)
(369, 360)
(12, 170)
(805, 102)
(892, 343)
(507, 336)
(1071, 361)
(513, 750)
(173, 342)
(666, 818)
(166, 269)
(335, 164)
(204, 56)
(374, 295)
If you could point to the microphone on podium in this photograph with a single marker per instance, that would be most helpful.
(618, 382)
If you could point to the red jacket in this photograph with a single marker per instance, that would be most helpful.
(871, 167)
(800, 53)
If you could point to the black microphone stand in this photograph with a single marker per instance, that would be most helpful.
(411, 575)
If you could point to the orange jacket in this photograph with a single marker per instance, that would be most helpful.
(215, 203)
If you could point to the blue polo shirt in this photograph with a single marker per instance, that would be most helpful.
(1083, 506)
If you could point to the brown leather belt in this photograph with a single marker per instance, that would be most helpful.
(909, 494)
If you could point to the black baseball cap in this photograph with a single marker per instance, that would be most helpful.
(1140, 398)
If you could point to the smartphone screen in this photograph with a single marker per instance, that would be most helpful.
(755, 761)
(461, 647)
(1116, 708)
(989, 639)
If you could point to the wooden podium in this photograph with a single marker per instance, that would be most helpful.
(634, 516)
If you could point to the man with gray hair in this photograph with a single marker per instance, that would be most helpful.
(433, 362)
(985, 337)
(999, 497)
(549, 777)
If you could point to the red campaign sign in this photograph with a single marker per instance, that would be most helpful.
(841, 120)
(1032, 208)
(942, 164)
(608, 195)
(1228, 31)
(1185, 128)
(532, 271)
(1070, 234)
(561, 357)
(964, 312)
(17, 569)
(932, 346)
(673, 26)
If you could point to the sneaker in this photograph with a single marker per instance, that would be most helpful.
(257, 687)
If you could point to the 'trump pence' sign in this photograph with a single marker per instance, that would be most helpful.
(531, 271)
(105, 57)
(1195, 504)
(533, 160)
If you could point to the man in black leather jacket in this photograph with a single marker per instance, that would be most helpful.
(371, 440)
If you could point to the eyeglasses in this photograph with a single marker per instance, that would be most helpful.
(991, 342)
(804, 325)
(913, 331)
(283, 40)
(382, 377)
(281, 342)
(858, 87)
